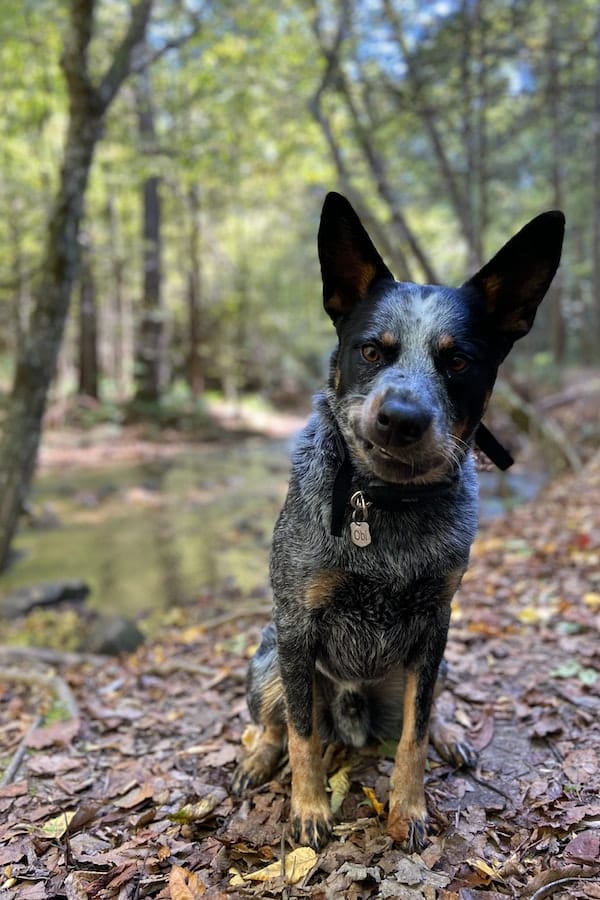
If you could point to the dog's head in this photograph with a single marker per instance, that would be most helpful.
(415, 364)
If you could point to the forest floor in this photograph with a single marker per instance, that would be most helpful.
(117, 770)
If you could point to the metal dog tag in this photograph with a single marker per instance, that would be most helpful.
(360, 534)
(360, 531)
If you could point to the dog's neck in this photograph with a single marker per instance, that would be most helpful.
(394, 497)
(386, 496)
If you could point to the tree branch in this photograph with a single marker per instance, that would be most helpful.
(333, 75)
(461, 207)
(123, 57)
(74, 60)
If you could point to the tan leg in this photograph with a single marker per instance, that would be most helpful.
(312, 820)
(408, 813)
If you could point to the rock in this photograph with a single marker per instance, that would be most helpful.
(44, 519)
(111, 635)
(51, 593)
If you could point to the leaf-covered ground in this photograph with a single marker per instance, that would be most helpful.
(116, 772)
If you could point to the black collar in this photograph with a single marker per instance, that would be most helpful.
(394, 497)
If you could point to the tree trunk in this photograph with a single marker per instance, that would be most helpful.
(400, 230)
(117, 266)
(195, 379)
(596, 191)
(22, 295)
(88, 328)
(37, 357)
(423, 108)
(555, 295)
(36, 363)
(149, 368)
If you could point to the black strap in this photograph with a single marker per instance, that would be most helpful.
(342, 486)
(492, 448)
(391, 497)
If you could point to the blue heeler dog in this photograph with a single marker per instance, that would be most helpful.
(375, 533)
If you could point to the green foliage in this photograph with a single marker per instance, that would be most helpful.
(235, 130)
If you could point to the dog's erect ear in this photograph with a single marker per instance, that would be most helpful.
(349, 261)
(515, 280)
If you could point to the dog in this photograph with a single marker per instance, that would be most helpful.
(375, 533)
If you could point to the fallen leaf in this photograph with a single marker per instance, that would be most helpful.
(484, 868)
(185, 885)
(16, 789)
(580, 765)
(398, 825)
(218, 758)
(372, 798)
(297, 865)
(58, 733)
(195, 812)
(135, 796)
(547, 725)
(340, 785)
(53, 763)
(56, 827)
(251, 736)
(585, 847)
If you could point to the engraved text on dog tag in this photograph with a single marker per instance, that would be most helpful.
(360, 534)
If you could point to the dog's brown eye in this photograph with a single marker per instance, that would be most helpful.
(371, 353)
(457, 363)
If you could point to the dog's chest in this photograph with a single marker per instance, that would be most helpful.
(369, 628)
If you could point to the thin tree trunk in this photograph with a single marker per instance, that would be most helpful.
(22, 295)
(117, 265)
(88, 328)
(559, 333)
(149, 367)
(480, 208)
(333, 78)
(36, 361)
(423, 109)
(195, 377)
(596, 190)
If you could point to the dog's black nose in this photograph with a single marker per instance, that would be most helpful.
(400, 423)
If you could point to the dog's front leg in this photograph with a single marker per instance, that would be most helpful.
(407, 821)
(311, 817)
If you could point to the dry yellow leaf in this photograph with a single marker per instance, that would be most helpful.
(56, 827)
(592, 600)
(529, 615)
(297, 865)
(377, 805)
(250, 736)
(484, 868)
(185, 885)
(340, 785)
(195, 812)
(236, 879)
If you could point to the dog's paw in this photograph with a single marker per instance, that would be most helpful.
(450, 742)
(312, 828)
(408, 829)
(253, 771)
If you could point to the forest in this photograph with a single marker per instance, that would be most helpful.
(163, 165)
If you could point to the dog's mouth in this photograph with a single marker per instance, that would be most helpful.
(395, 464)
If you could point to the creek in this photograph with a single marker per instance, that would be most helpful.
(164, 532)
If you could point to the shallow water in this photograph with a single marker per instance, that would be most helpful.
(147, 536)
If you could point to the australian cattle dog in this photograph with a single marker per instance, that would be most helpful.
(381, 511)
